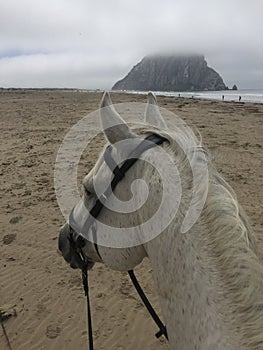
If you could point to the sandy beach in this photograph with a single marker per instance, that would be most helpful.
(46, 294)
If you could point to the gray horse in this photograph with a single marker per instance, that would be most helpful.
(210, 279)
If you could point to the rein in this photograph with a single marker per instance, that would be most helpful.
(77, 238)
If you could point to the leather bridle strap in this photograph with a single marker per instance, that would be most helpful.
(119, 172)
(86, 290)
(155, 317)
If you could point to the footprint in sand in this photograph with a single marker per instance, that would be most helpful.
(9, 238)
(52, 331)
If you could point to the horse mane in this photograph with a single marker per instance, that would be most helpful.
(230, 243)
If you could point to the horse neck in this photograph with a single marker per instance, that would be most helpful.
(189, 297)
(210, 280)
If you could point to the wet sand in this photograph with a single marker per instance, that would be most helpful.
(47, 295)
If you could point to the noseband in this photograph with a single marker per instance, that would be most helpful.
(78, 234)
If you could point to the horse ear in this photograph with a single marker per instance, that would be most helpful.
(113, 125)
(152, 113)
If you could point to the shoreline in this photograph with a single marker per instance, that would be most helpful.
(208, 95)
(196, 95)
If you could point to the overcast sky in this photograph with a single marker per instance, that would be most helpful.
(92, 44)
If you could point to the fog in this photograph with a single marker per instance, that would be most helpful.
(88, 44)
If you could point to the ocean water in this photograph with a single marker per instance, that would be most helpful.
(255, 96)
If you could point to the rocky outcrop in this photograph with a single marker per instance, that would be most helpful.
(171, 73)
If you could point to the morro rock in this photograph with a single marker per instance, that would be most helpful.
(171, 73)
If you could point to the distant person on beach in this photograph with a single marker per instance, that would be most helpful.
(223, 97)
(239, 99)
(179, 95)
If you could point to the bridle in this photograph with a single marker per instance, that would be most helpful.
(77, 236)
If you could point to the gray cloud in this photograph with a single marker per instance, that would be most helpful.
(91, 44)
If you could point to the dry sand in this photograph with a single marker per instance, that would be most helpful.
(47, 294)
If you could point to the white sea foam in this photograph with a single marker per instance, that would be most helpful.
(255, 96)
